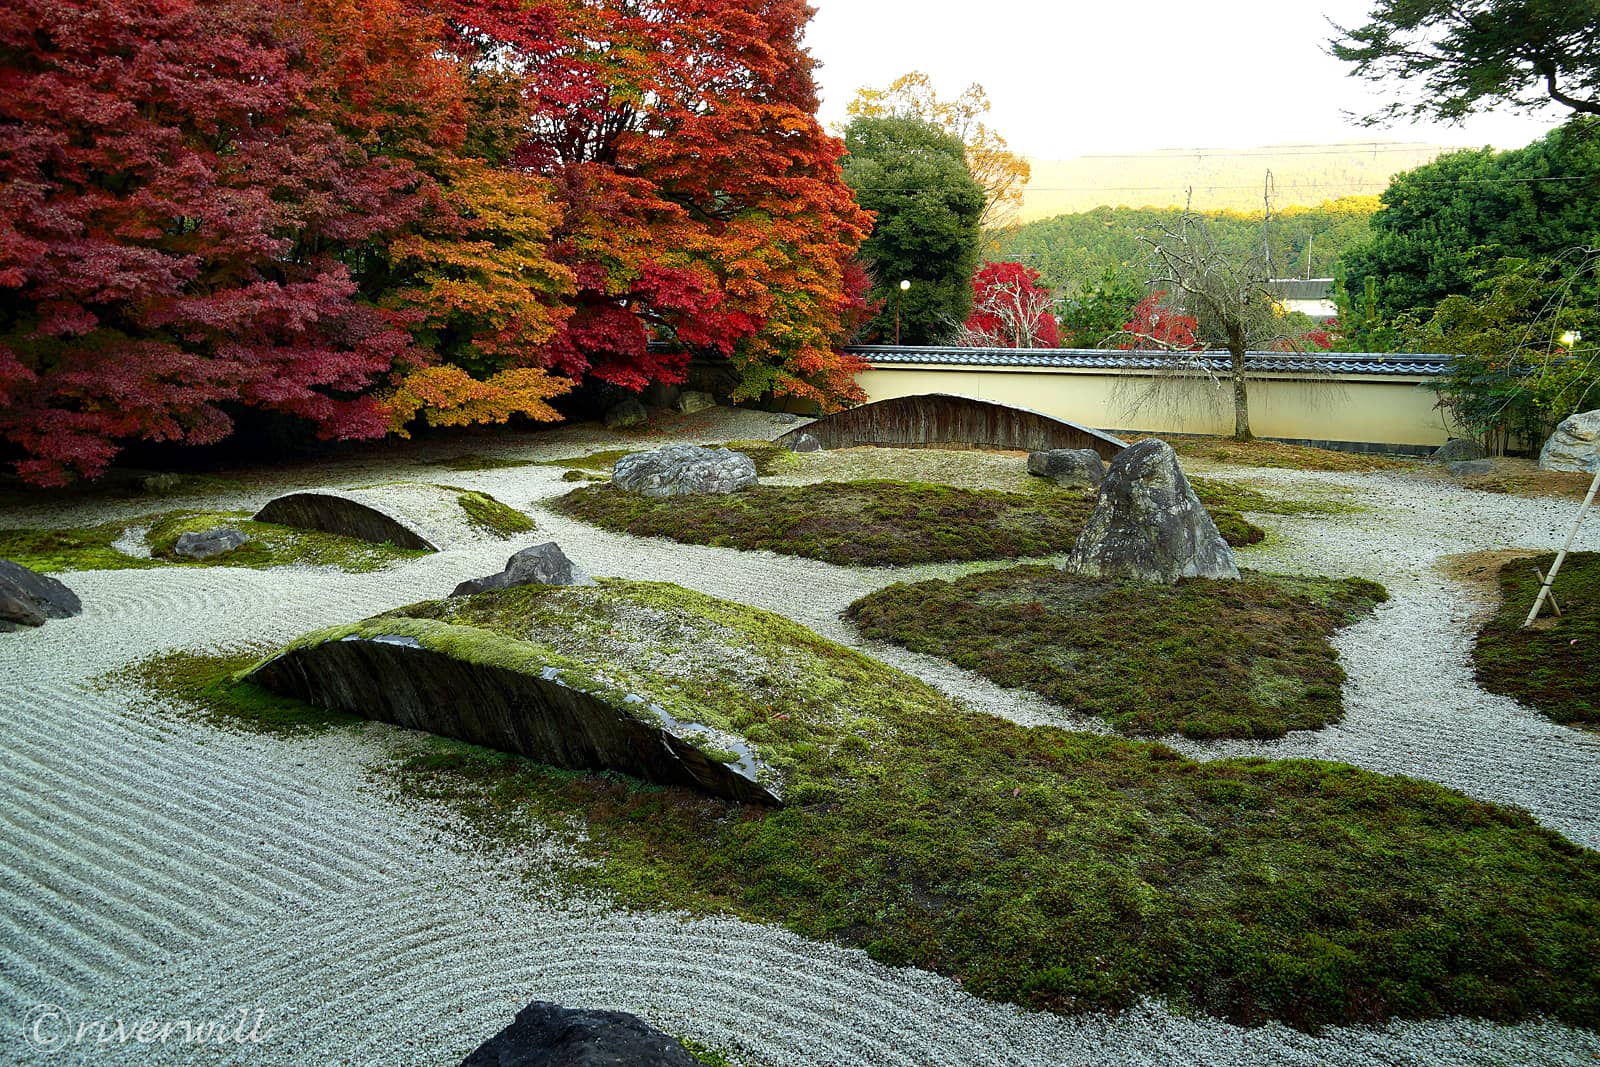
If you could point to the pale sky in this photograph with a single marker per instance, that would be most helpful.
(1069, 78)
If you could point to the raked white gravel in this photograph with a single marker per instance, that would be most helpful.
(154, 868)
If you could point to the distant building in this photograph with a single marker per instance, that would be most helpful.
(1314, 296)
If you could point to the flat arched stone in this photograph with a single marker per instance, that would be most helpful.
(934, 419)
(334, 514)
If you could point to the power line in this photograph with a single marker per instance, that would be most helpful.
(1291, 184)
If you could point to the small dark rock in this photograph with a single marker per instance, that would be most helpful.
(660, 395)
(626, 415)
(1148, 524)
(28, 598)
(692, 400)
(1069, 466)
(548, 1035)
(678, 470)
(542, 564)
(1471, 466)
(1456, 450)
(211, 543)
(805, 443)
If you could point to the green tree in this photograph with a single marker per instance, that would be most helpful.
(1466, 56)
(1522, 362)
(1440, 220)
(914, 178)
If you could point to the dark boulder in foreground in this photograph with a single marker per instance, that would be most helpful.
(1148, 524)
(542, 564)
(548, 1035)
(486, 689)
(28, 598)
(335, 514)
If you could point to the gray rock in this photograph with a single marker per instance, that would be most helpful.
(678, 470)
(548, 1035)
(805, 443)
(1457, 450)
(1470, 466)
(1575, 446)
(28, 598)
(692, 400)
(1069, 466)
(524, 704)
(211, 543)
(626, 415)
(1148, 524)
(542, 564)
(341, 515)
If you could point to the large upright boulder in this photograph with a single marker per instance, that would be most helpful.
(542, 564)
(1575, 446)
(1148, 524)
(679, 470)
(548, 1035)
(28, 598)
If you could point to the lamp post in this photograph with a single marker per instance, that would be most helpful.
(1570, 338)
(904, 285)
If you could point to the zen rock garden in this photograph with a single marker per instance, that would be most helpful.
(1059, 736)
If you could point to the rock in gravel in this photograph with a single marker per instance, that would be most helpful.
(1069, 466)
(28, 598)
(692, 400)
(1457, 450)
(625, 415)
(210, 543)
(805, 443)
(483, 687)
(341, 515)
(1466, 467)
(548, 1035)
(678, 470)
(1148, 524)
(542, 564)
(1575, 446)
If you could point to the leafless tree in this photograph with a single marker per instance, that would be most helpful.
(1229, 300)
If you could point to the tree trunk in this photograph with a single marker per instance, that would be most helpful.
(1241, 391)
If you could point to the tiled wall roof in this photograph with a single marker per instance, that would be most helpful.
(1402, 363)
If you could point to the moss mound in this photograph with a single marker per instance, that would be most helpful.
(1059, 870)
(489, 514)
(872, 523)
(1554, 665)
(1205, 659)
(768, 457)
(270, 544)
(70, 549)
(1274, 454)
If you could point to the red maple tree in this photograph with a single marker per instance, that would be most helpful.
(1010, 309)
(1154, 325)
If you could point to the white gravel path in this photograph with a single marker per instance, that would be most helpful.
(155, 867)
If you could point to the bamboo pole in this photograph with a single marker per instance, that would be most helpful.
(1572, 534)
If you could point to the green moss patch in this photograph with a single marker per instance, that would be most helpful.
(1202, 658)
(270, 545)
(1273, 454)
(768, 457)
(474, 462)
(1054, 869)
(873, 523)
(210, 683)
(870, 523)
(1553, 665)
(70, 549)
(489, 514)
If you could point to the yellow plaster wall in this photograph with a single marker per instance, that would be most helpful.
(1390, 410)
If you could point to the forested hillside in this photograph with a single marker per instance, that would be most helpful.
(1073, 252)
